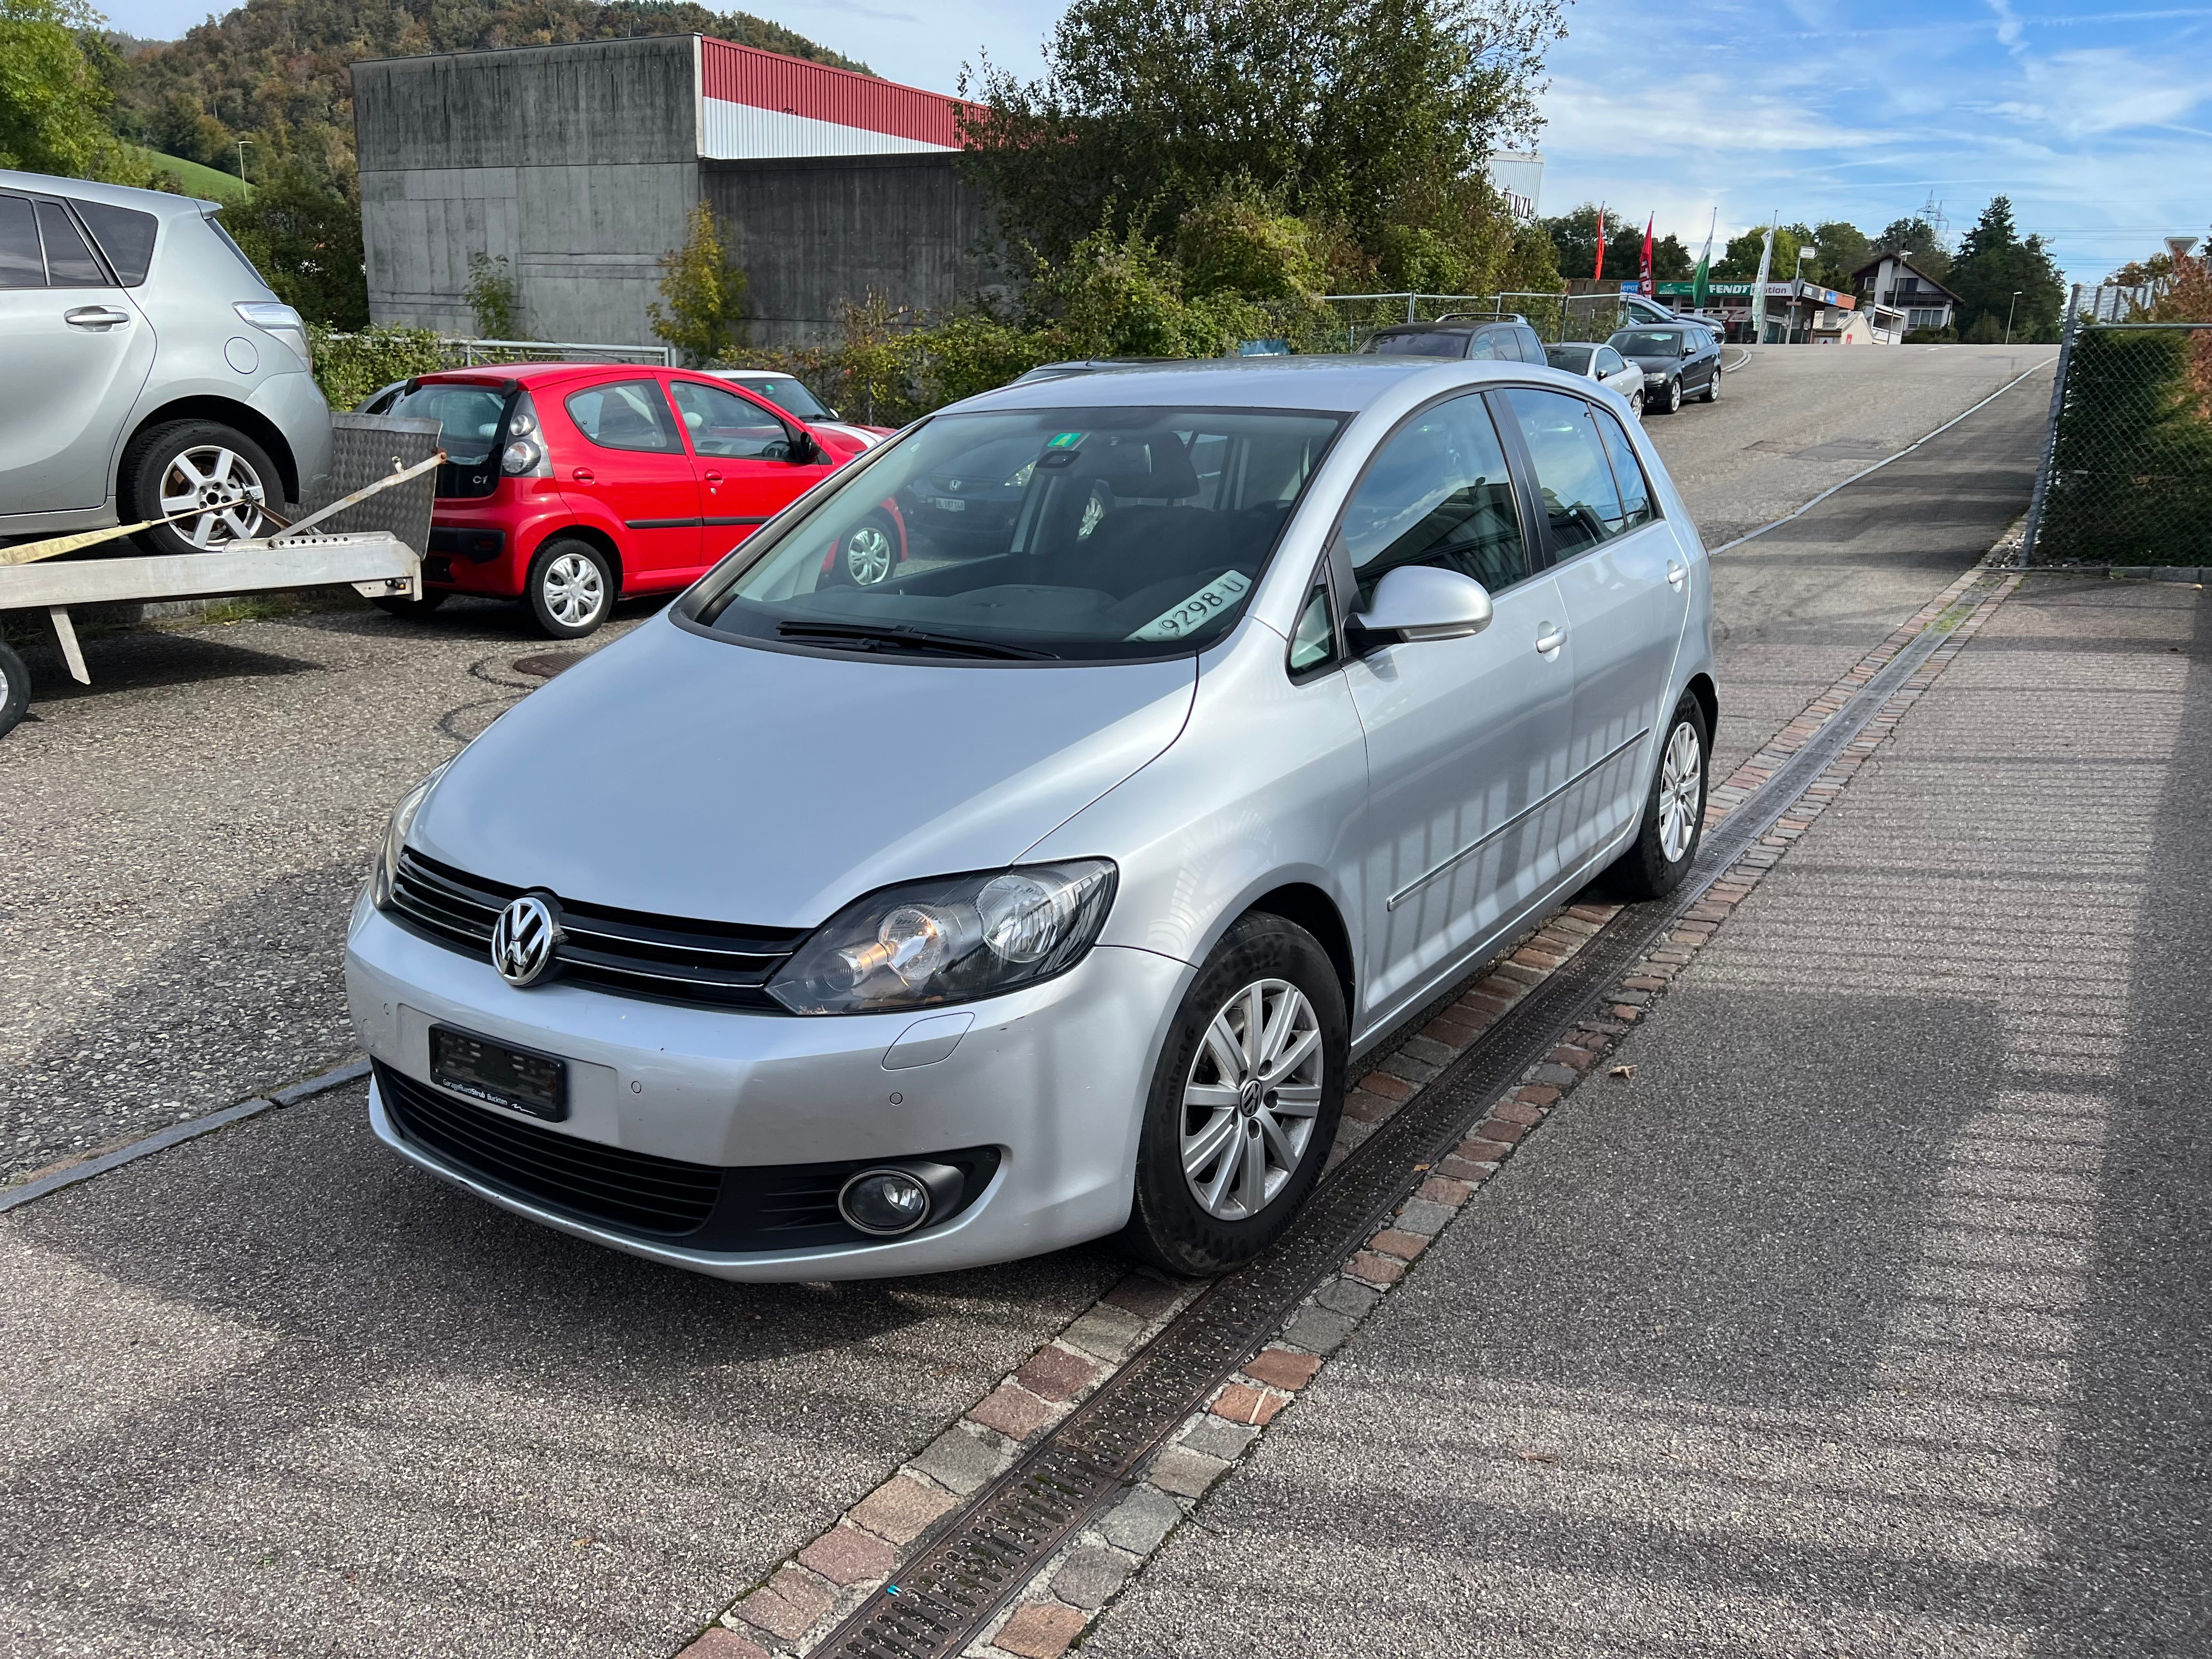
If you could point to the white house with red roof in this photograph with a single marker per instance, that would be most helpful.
(579, 166)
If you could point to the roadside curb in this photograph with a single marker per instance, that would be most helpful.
(810, 1594)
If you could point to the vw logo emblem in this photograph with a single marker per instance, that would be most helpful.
(525, 937)
(1249, 1096)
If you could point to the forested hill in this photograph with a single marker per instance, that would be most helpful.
(275, 71)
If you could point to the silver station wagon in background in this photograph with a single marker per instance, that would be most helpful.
(1043, 891)
(170, 382)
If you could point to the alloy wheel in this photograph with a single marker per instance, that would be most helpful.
(868, 555)
(222, 484)
(576, 591)
(1680, 771)
(1251, 1098)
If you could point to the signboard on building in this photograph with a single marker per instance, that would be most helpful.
(1519, 177)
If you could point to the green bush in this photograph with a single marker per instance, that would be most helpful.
(2131, 471)
(349, 366)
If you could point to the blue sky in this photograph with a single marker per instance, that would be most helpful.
(2097, 121)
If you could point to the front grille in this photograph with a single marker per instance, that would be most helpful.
(707, 963)
(634, 1191)
(706, 1206)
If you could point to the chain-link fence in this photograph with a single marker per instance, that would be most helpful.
(2127, 470)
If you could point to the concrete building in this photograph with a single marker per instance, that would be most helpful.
(579, 166)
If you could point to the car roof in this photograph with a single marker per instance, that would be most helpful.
(159, 203)
(1332, 384)
(535, 373)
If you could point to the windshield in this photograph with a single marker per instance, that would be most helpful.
(786, 394)
(1575, 359)
(467, 416)
(1646, 343)
(1420, 345)
(1076, 533)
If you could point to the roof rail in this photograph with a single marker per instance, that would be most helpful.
(1478, 316)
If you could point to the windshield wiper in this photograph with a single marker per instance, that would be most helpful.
(897, 637)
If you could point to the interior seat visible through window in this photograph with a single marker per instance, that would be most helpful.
(1437, 494)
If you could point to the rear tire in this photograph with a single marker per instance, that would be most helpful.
(1713, 387)
(15, 690)
(1674, 811)
(1237, 1127)
(870, 552)
(169, 468)
(400, 605)
(570, 588)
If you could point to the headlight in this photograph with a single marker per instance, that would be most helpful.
(387, 868)
(952, 940)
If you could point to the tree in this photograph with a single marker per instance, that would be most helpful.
(302, 228)
(1918, 241)
(1741, 263)
(1575, 235)
(1844, 247)
(1993, 264)
(53, 103)
(491, 297)
(705, 293)
(1370, 119)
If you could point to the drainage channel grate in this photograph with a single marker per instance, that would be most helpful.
(987, 1551)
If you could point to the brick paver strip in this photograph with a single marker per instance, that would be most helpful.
(1282, 1368)
(1241, 1403)
(846, 1555)
(901, 1509)
(1148, 1298)
(1040, 1629)
(1013, 1412)
(722, 1644)
(1054, 1373)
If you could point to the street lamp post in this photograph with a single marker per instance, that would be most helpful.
(2009, 310)
(242, 144)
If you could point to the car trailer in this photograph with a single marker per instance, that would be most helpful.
(377, 564)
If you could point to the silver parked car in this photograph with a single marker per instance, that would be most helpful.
(1044, 891)
(1604, 365)
(155, 375)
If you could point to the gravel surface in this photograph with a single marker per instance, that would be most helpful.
(1799, 1342)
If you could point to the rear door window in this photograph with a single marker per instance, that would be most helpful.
(1573, 477)
(126, 236)
(625, 415)
(1628, 476)
(21, 265)
(1437, 494)
(69, 262)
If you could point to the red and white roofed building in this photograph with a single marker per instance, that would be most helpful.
(580, 167)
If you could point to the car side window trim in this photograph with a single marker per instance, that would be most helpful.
(1523, 467)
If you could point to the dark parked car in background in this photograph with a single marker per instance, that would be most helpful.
(1680, 360)
(1506, 338)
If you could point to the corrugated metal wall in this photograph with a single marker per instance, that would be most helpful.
(790, 86)
(744, 132)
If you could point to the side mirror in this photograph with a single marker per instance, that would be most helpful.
(1420, 602)
(1689, 349)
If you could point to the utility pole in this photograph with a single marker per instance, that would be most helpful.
(242, 144)
(2008, 311)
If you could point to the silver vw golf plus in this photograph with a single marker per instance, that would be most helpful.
(1213, 718)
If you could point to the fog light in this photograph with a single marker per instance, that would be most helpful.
(891, 1200)
(884, 1202)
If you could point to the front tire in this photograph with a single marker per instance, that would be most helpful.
(570, 588)
(1674, 401)
(1244, 1103)
(1674, 810)
(1636, 404)
(870, 552)
(181, 465)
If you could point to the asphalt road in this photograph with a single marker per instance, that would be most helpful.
(274, 1391)
(1867, 1317)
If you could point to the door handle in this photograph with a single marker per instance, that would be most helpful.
(94, 316)
(1550, 639)
(1674, 573)
(714, 478)
(582, 475)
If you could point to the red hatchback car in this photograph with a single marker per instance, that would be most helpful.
(567, 485)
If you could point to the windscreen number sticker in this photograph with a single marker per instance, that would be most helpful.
(1200, 608)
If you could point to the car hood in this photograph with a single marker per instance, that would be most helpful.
(688, 776)
(1647, 364)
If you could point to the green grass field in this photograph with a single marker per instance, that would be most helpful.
(208, 184)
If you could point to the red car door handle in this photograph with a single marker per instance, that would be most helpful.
(714, 477)
(582, 475)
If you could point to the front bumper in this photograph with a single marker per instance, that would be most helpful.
(1056, 1076)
